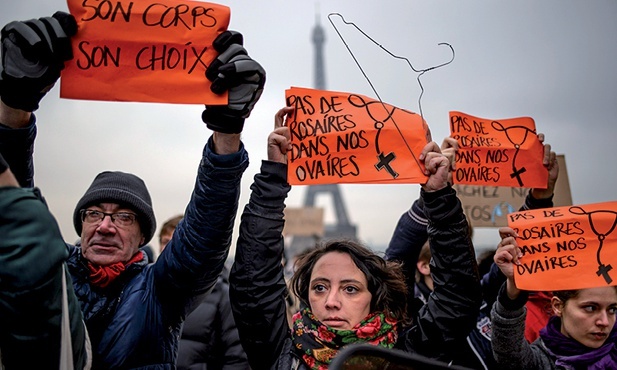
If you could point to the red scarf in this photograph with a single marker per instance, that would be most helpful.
(539, 310)
(102, 276)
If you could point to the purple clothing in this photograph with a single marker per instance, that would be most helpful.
(571, 354)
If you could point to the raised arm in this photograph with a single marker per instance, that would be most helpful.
(543, 197)
(257, 284)
(536, 198)
(452, 309)
(510, 348)
(411, 232)
(33, 54)
(194, 258)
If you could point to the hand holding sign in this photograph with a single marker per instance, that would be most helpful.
(33, 54)
(279, 140)
(233, 71)
(566, 247)
(437, 167)
(502, 152)
(552, 165)
(507, 257)
(449, 148)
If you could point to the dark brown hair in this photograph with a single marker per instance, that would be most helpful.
(565, 295)
(386, 281)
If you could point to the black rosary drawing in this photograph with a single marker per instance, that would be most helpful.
(516, 172)
(384, 160)
(603, 270)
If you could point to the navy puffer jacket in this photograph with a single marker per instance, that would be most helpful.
(135, 322)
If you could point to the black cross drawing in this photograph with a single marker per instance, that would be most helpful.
(384, 162)
(603, 269)
(517, 173)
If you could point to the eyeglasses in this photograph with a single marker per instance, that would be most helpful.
(122, 219)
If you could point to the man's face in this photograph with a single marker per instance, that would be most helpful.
(105, 242)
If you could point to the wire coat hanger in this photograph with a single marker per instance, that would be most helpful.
(419, 71)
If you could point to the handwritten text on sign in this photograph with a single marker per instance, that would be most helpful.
(145, 51)
(489, 206)
(504, 152)
(340, 137)
(570, 247)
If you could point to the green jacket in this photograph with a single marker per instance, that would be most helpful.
(32, 253)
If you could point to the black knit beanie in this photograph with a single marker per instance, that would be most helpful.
(125, 189)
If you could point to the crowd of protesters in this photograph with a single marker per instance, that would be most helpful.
(106, 304)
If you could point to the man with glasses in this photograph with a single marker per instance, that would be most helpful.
(133, 311)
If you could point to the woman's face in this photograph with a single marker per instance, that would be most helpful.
(338, 291)
(590, 317)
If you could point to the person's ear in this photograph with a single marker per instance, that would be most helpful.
(557, 306)
(424, 268)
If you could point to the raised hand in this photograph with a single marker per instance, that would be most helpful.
(279, 141)
(449, 147)
(506, 257)
(550, 162)
(33, 54)
(242, 77)
(437, 167)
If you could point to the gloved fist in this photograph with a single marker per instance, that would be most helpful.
(33, 54)
(242, 77)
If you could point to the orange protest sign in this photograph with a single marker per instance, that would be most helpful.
(340, 137)
(505, 152)
(570, 247)
(489, 206)
(143, 51)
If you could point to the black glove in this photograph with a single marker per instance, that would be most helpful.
(233, 71)
(33, 54)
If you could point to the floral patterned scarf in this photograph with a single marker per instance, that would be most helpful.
(316, 344)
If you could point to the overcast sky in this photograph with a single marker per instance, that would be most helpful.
(552, 60)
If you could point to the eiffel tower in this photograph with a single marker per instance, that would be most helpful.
(342, 227)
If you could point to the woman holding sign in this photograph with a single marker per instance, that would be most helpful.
(406, 245)
(581, 334)
(349, 294)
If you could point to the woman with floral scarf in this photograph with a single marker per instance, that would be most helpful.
(580, 335)
(348, 293)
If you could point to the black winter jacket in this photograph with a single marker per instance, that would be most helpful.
(209, 338)
(407, 240)
(258, 289)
